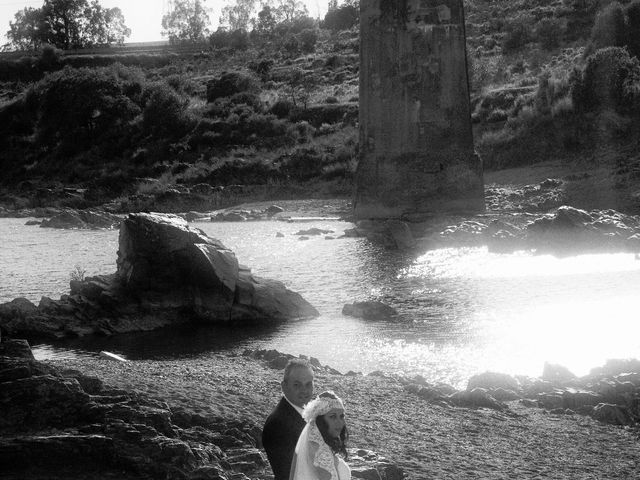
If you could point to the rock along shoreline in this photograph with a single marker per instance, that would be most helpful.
(168, 273)
(201, 418)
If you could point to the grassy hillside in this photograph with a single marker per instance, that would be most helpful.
(282, 115)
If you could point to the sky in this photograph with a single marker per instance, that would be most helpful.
(143, 17)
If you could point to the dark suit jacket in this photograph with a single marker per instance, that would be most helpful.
(279, 437)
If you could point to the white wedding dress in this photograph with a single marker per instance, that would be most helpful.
(344, 472)
(314, 460)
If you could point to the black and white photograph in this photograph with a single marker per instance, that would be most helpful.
(319, 239)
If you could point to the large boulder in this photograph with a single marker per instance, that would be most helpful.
(167, 273)
(613, 414)
(162, 259)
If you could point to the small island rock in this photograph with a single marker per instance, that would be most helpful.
(370, 310)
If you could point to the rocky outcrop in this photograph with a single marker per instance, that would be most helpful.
(239, 215)
(535, 198)
(38, 212)
(393, 234)
(167, 273)
(66, 425)
(60, 424)
(567, 230)
(599, 230)
(279, 360)
(313, 231)
(370, 310)
(84, 219)
(610, 394)
(531, 217)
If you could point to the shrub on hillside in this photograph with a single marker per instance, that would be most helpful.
(261, 67)
(563, 107)
(334, 61)
(21, 69)
(244, 126)
(110, 185)
(239, 171)
(328, 113)
(220, 108)
(341, 18)
(340, 170)
(282, 108)
(182, 84)
(165, 111)
(234, 40)
(246, 98)
(291, 45)
(551, 90)
(266, 130)
(77, 106)
(487, 70)
(341, 162)
(518, 33)
(238, 105)
(50, 58)
(303, 164)
(295, 26)
(549, 31)
(230, 83)
(31, 68)
(610, 79)
(307, 40)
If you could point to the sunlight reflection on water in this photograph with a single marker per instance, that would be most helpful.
(461, 311)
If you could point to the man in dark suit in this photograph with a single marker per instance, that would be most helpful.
(282, 428)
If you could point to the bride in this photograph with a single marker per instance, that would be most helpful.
(321, 453)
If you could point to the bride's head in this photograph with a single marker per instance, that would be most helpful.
(328, 411)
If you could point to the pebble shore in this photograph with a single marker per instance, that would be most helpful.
(428, 441)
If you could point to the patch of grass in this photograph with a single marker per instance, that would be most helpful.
(77, 274)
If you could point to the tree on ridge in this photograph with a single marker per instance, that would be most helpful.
(67, 24)
(187, 22)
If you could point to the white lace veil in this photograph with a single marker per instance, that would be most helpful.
(313, 458)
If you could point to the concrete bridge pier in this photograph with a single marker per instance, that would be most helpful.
(416, 143)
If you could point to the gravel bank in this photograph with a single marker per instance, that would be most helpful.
(427, 440)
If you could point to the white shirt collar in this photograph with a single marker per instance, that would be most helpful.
(298, 409)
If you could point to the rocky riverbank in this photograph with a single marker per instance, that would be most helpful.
(159, 411)
(167, 274)
(58, 421)
(200, 418)
(551, 208)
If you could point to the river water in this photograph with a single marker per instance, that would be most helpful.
(461, 311)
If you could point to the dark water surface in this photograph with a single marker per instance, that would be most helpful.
(462, 311)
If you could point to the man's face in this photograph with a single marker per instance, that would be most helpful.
(298, 388)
